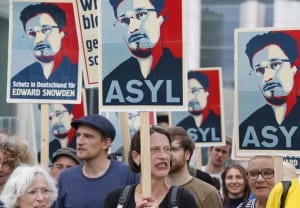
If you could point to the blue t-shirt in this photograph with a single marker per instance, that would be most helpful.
(79, 191)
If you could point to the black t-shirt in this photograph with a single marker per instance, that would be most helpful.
(197, 173)
(184, 199)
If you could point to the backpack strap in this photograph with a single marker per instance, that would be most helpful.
(286, 185)
(124, 195)
(173, 197)
(129, 188)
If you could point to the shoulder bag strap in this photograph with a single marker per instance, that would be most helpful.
(173, 197)
(286, 185)
(124, 196)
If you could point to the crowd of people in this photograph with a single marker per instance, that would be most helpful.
(86, 177)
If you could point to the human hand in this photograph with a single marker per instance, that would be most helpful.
(148, 202)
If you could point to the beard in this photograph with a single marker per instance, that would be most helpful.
(59, 131)
(45, 59)
(141, 52)
(195, 108)
(42, 53)
(277, 101)
(140, 46)
(274, 94)
(177, 165)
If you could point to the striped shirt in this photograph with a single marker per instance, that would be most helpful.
(248, 204)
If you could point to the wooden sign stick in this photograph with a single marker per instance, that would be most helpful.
(125, 134)
(145, 154)
(45, 135)
(278, 160)
(198, 157)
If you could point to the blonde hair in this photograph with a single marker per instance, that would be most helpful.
(16, 151)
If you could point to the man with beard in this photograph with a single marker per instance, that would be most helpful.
(44, 25)
(152, 75)
(203, 125)
(275, 125)
(182, 148)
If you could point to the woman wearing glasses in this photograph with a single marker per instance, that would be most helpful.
(260, 175)
(28, 187)
(235, 186)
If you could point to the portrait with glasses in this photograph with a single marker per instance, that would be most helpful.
(142, 54)
(267, 81)
(43, 57)
(204, 119)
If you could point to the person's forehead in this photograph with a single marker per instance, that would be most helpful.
(176, 142)
(269, 52)
(260, 163)
(194, 83)
(64, 158)
(57, 107)
(133, 5)
(224, 148)
(158, 139)
(39, 180)
(40, 19)
(234, 171)
(87, 129)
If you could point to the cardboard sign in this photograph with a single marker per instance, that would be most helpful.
(204, 120)
(88, 24)
(43, 64)
(267, 95)
(142, 69)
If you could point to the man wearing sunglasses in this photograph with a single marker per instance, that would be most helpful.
(152, 75)
(275, 125)
(44, 26)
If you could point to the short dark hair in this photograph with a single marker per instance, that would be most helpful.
(158, 5)
(179, 133)
(135, 145)
(54, 11)
(284, 41)
(228, 141)
(69, 107)
(202, 78)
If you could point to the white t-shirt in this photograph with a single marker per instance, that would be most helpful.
(216, 175)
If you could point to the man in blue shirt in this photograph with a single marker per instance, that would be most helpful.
(86, 185)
